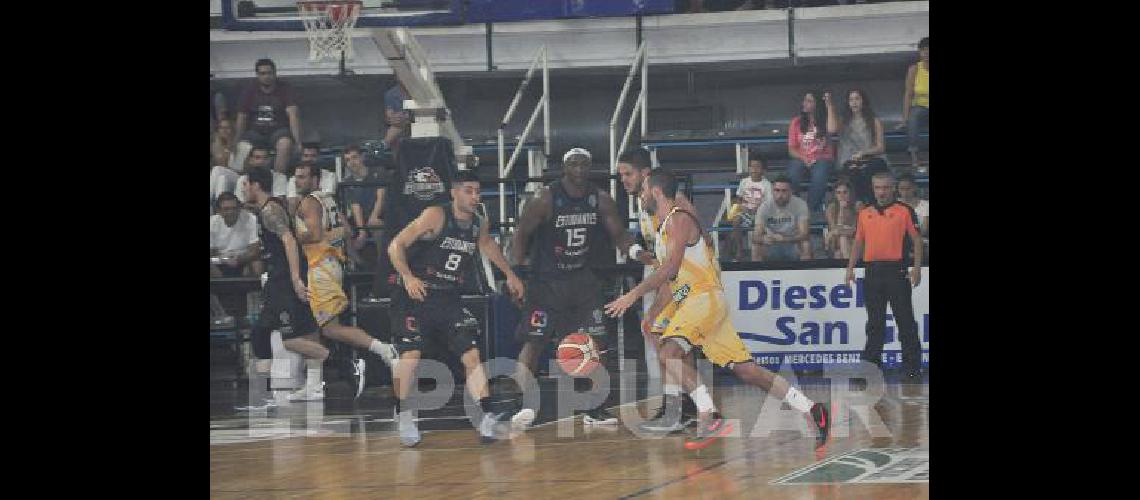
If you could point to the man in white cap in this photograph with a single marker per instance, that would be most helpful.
(564, 294)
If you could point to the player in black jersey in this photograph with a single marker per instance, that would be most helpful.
(433, 255)
(286, 291)
(564, 295)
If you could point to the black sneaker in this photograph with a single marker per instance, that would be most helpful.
(821, 420)
(599, 416)
(660, 410)
(708, 431)
(689, 414)
(665, 421)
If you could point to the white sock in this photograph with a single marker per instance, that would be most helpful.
(313, 380)
(286, 366)
(379, 348)
(702, 399)
(672, 390)
(797, 400)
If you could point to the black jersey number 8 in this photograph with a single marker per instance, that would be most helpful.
(453, 261)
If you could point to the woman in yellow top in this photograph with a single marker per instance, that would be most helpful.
(916, 102)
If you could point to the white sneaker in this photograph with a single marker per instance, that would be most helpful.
(522, 419)
(266, 404)
(406, 425)
(487, 428)
(307, 394)
(599, 416)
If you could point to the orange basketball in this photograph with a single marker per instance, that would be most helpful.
(578, 354)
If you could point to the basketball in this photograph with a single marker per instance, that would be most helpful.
(578, 354)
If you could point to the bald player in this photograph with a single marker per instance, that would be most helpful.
(568, 218)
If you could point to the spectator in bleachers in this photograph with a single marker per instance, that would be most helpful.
(908, 193)
(223, 175)
(259, 157)
(275, 117)
(751, 193)
(219, 109)
(782, 226)
(916, 101)
(376, 215)
(222, 145)
(310, 151)
(233, 240)
(841, 217)
(861, 145)
(812, 153)
(396, 119)
(361, 202)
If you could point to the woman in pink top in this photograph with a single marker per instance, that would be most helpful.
(811, 152)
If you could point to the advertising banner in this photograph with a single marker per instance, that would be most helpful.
(810, 317)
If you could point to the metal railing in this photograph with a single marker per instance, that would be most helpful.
(410, 64)
(640, 60)
(725, 204)
(543, 106)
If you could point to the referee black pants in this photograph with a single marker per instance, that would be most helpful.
(888, 282)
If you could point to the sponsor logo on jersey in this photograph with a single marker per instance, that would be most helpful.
(680, 293)
(538, 319)
(583, 219)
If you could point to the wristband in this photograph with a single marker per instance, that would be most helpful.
(635, 249)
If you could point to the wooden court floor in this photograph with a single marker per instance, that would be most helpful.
(307, 452)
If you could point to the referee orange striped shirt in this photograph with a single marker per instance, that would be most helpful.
(882, 232)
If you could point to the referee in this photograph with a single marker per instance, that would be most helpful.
(880, 234)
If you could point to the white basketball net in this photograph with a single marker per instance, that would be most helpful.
(329, 25)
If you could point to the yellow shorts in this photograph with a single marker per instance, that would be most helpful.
(326, 277)
(702, 319)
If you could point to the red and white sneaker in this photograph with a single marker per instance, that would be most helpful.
(715, 427)
(821, 420)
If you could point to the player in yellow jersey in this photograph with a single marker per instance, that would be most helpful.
(698, 316)
(633, 168)
(321, 231)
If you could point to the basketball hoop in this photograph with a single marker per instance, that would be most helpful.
(329, 24)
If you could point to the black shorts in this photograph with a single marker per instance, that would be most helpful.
(559, 307)
(285, 312)
(432, 327)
